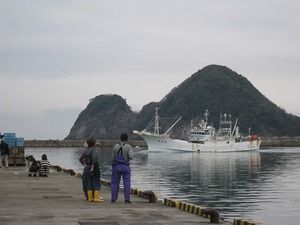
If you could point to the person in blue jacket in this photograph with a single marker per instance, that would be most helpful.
(121, 155)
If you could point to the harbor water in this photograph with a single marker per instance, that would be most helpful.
(261, 185)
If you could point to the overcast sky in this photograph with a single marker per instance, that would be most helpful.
(55, 55)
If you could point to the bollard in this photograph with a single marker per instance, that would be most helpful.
(150, 195)
(214, 215)
(71, 172)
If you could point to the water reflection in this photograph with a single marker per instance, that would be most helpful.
(214, 180)
(258, 185)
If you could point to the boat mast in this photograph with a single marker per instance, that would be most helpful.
(206, 117)
(230, 126)
(234, 127)
(225, 125)
(156, 122)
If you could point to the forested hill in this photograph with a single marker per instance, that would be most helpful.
(216, 88)
(105, 117)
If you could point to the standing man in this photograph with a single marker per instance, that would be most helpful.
(4, 153)
(121, 155)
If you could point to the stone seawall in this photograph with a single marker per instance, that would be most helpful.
(77, 143)
(280, 142)
(266, 143)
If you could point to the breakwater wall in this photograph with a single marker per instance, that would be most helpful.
(280, 142)
(266, 143)
(77, 143)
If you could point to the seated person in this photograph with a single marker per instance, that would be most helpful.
(45, 166)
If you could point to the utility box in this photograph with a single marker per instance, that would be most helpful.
(16, 149)
(16, 156)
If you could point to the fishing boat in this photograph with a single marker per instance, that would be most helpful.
(203, 138)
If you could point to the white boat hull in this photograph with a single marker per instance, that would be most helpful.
(165, 143)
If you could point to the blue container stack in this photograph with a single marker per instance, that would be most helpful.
(12, 141)
(16, 145)
(19, 141)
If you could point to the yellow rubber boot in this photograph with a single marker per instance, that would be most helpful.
(90, 196)
(97, 197)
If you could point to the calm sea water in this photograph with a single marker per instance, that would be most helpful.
(262, 186)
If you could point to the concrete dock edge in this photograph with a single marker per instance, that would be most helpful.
(187, 207)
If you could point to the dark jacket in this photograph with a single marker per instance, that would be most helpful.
(4, 148)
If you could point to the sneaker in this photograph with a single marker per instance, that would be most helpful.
(113, 201)
(127, 201)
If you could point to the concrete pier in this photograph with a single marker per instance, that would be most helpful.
(58, 200)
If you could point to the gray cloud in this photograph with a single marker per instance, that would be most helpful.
(70, 51)
(50, 124)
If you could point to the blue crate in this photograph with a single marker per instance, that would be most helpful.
(9, 135)
(10, 141)
(19, 141)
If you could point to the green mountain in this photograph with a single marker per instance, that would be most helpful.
(216, 88)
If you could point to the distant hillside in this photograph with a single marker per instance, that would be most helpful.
(216, 88)
(105, 117)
